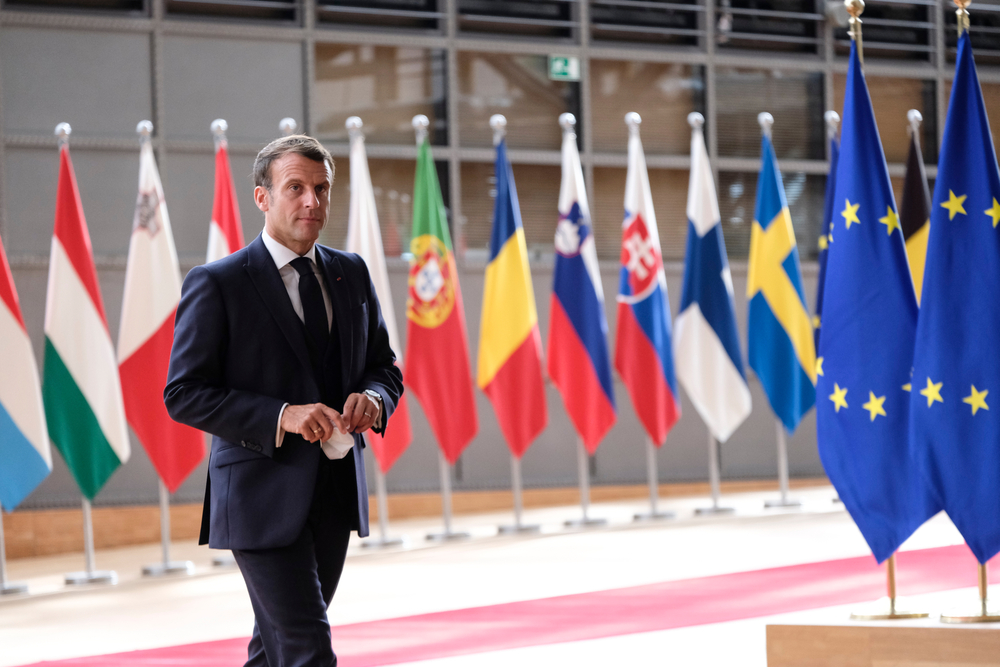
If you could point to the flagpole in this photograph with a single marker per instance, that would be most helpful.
(832, 119)
(713, 478)
(90, 576)
(583, 471)
(287, 126)
(652, 476)
(7, 588)
(783, 501)
(516, 489)
(167, 566)
(444, 468)
(887, 609)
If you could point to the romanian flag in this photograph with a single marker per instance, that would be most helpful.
(579, 363)
(81, 387)
(437, 351)
(782, 347)
(225, 232)
(915, 212)
(510, 347)
(25, 457)
(364, 237)
(152, 292)
(643, 349)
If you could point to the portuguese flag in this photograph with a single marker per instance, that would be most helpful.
(81, 388)
(437, 349)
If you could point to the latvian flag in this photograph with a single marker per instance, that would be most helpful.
(225, 232)
(579, 363)
(152, 292)
(643, 350)
(25, 457)
(81, 389)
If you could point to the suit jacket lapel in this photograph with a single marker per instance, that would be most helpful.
(265, 277)
(340, 291)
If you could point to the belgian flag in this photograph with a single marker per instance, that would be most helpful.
(915, 208)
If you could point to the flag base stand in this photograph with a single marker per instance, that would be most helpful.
(518, 529)
(782, 502)
(170, 567)
(13, 588)
(714, 477)
(383, 542)
(654, 516)
(448, 535)
(985, 613)
(583, 469)
(225, 560)
(90, 575)
(652, 476)
(585, 522)
(887, 609)
(99, 577)
(710, 511)
(382, 498)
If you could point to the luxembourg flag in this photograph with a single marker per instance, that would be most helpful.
(25, 457)
(643, 350)
(152, 292)
(707, 346)
(579, 363)
(80, 387)
(365, 238)
(225, 232)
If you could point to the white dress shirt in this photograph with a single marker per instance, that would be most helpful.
(338, 445)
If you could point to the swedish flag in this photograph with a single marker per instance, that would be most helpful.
(865, 352)
(954, 429)
(782, 350)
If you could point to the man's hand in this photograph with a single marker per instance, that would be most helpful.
(360, 412)
(313, 422)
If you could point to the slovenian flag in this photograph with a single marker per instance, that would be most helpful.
(25, 457)
(364, 237)
(510, 347)
(643, 350)
(81, 388)
(152, 292)
(579, 363)
(709, 362)
(225, 232)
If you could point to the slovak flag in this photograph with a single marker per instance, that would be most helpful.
(579, 363)
(643, 350)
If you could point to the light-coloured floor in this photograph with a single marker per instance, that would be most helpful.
(55, 622)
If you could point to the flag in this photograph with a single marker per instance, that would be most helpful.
(510, 347)
(782, 349)
(643, 350)
(25, 457)
(954, 429)
(365, 238)
(146, 332)
(915, 212)
(579, 363)
(80, 386)
(826, 233)
(437, 351)
(707, 347)
(225, 232)
(866, 349)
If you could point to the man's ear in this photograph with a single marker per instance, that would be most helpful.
(261, 198)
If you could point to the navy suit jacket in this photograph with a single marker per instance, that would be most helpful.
(239, 354)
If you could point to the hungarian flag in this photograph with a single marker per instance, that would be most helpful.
(80, 386)
(643, 349)
(915, 212)
(365, 238)
(437, 349)
(25, 457)
(579, 363)
(510, 347)
(152, 291)
(225, 232)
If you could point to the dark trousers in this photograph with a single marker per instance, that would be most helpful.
(291, 587)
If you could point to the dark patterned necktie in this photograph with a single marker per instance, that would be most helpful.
(313, 309)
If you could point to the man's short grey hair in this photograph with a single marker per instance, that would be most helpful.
(299, 144)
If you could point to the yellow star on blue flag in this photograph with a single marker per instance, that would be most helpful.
(955, 439)
(868, 300)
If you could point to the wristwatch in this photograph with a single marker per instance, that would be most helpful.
(374, 394)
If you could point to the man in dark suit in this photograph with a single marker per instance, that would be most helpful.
(281, 353)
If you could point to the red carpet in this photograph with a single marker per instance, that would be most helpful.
(661, 606)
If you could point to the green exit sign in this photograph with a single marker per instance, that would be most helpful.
(564, 68)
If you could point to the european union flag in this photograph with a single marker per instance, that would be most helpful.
(782, 350)
(954, 435)
(865, 352)
(824, 236)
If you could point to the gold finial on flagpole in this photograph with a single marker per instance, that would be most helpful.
(962, 14)
(855, 8)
